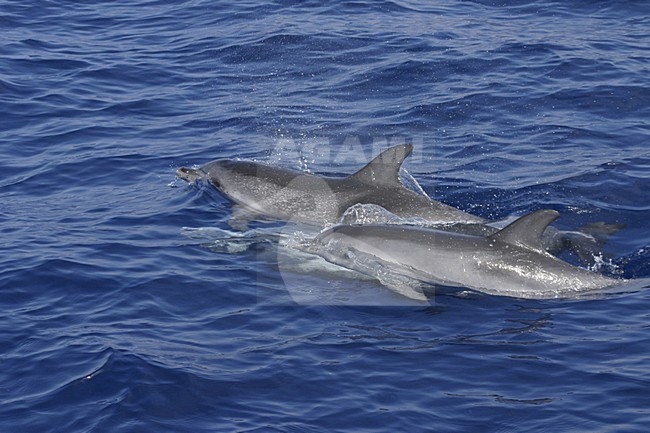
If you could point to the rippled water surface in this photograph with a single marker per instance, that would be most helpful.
(130, 304)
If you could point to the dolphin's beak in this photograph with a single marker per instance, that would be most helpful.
(188, 174)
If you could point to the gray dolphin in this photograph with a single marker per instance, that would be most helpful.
(511, 262)
(289, 195)
(284, 194)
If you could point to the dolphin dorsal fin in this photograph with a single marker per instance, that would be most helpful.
(384, 169)
(527, 231)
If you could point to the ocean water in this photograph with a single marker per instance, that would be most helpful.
(130, 304)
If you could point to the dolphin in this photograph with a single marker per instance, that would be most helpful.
(510, 262)
(282, 194)
(290, 195)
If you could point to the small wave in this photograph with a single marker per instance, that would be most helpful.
(230, 241)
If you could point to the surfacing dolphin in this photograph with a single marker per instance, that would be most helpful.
(289, 195)
(511, 262)
(318, 200)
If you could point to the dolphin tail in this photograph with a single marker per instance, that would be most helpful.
(601, 230)
(384, 169)
(189, 174)
(588, 242)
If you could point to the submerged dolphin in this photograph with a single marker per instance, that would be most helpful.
(290, 195)
(511, 262)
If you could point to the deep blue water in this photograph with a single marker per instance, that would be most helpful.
(115, 320)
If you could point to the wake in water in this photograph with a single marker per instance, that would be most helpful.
(230, 241)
